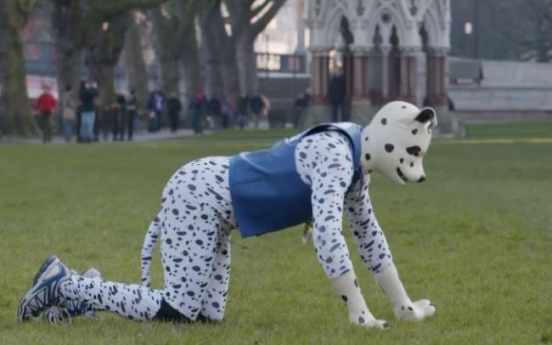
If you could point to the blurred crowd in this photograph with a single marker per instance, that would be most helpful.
(78, 115)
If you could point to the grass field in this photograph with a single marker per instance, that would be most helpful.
(476, 238)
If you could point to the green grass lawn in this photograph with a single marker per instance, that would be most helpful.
(510, 130)
(476, 238)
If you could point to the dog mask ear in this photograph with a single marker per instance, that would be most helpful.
(427, 116)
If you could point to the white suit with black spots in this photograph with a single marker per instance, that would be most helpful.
(197, 217)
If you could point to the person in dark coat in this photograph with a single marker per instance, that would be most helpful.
(241, 110)
(300, 106)
(118, 114)
(213, 111)
(336, 92)
(197, 108)
(257, 105)
(174, 106)
(131, 111)
(88, 127)
(156, 107)
(226, 111)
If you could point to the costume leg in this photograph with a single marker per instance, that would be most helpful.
(133, 301)
(196, 204)
(188, 245)
(194, 249)
(214, 303)
(189, 234)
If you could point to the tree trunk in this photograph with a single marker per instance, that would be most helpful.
(65, 17)
(247, 65)
(15, 110)
(135, 65)
(104, 74)
(189, 55)
(166, 49)
(77, 34)
(77, 27)
(214, 84)
(222, 71)
(169, 75)
(247, 22)
(103, 56)
(230, 78)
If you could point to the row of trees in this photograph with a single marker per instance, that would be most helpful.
(503, 29)
(100, 29)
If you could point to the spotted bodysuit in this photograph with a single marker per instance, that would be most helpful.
(195, 222)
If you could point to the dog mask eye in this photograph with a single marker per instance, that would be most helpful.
(414, 150)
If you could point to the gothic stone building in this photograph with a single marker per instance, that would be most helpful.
(379, 45)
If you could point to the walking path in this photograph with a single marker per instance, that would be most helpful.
(139, 137)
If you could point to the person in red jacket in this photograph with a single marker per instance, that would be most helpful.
(45, 105)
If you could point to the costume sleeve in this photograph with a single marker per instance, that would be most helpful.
(369, 237)
(324, 161)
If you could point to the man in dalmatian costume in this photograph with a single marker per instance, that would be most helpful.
(312, 177)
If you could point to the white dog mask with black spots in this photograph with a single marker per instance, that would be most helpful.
(396, 140)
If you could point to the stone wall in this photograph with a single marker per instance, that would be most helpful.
(495, 104)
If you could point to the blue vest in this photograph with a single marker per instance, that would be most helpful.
(266, 189)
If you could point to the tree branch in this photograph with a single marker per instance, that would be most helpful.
(261, 24)
(107, 10)
(255, 11)
(210, 5)
(187, 15)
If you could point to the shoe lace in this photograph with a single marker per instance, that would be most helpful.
(61, 313)
(57, 314)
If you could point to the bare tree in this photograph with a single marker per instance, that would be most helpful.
(188, 48)
(166, 28)
(248, 19)
(220, 54)
(134, 59)
(68, 47)
(231, 65)
(177, 44)
(15, 111)
(103, 52)
(512, 29)
(78, 27)
(537, 29)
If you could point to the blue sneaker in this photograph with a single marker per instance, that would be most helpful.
(66, 310)
(52, 259)
(44, 292)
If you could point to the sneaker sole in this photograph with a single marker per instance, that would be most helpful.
(54, 271)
